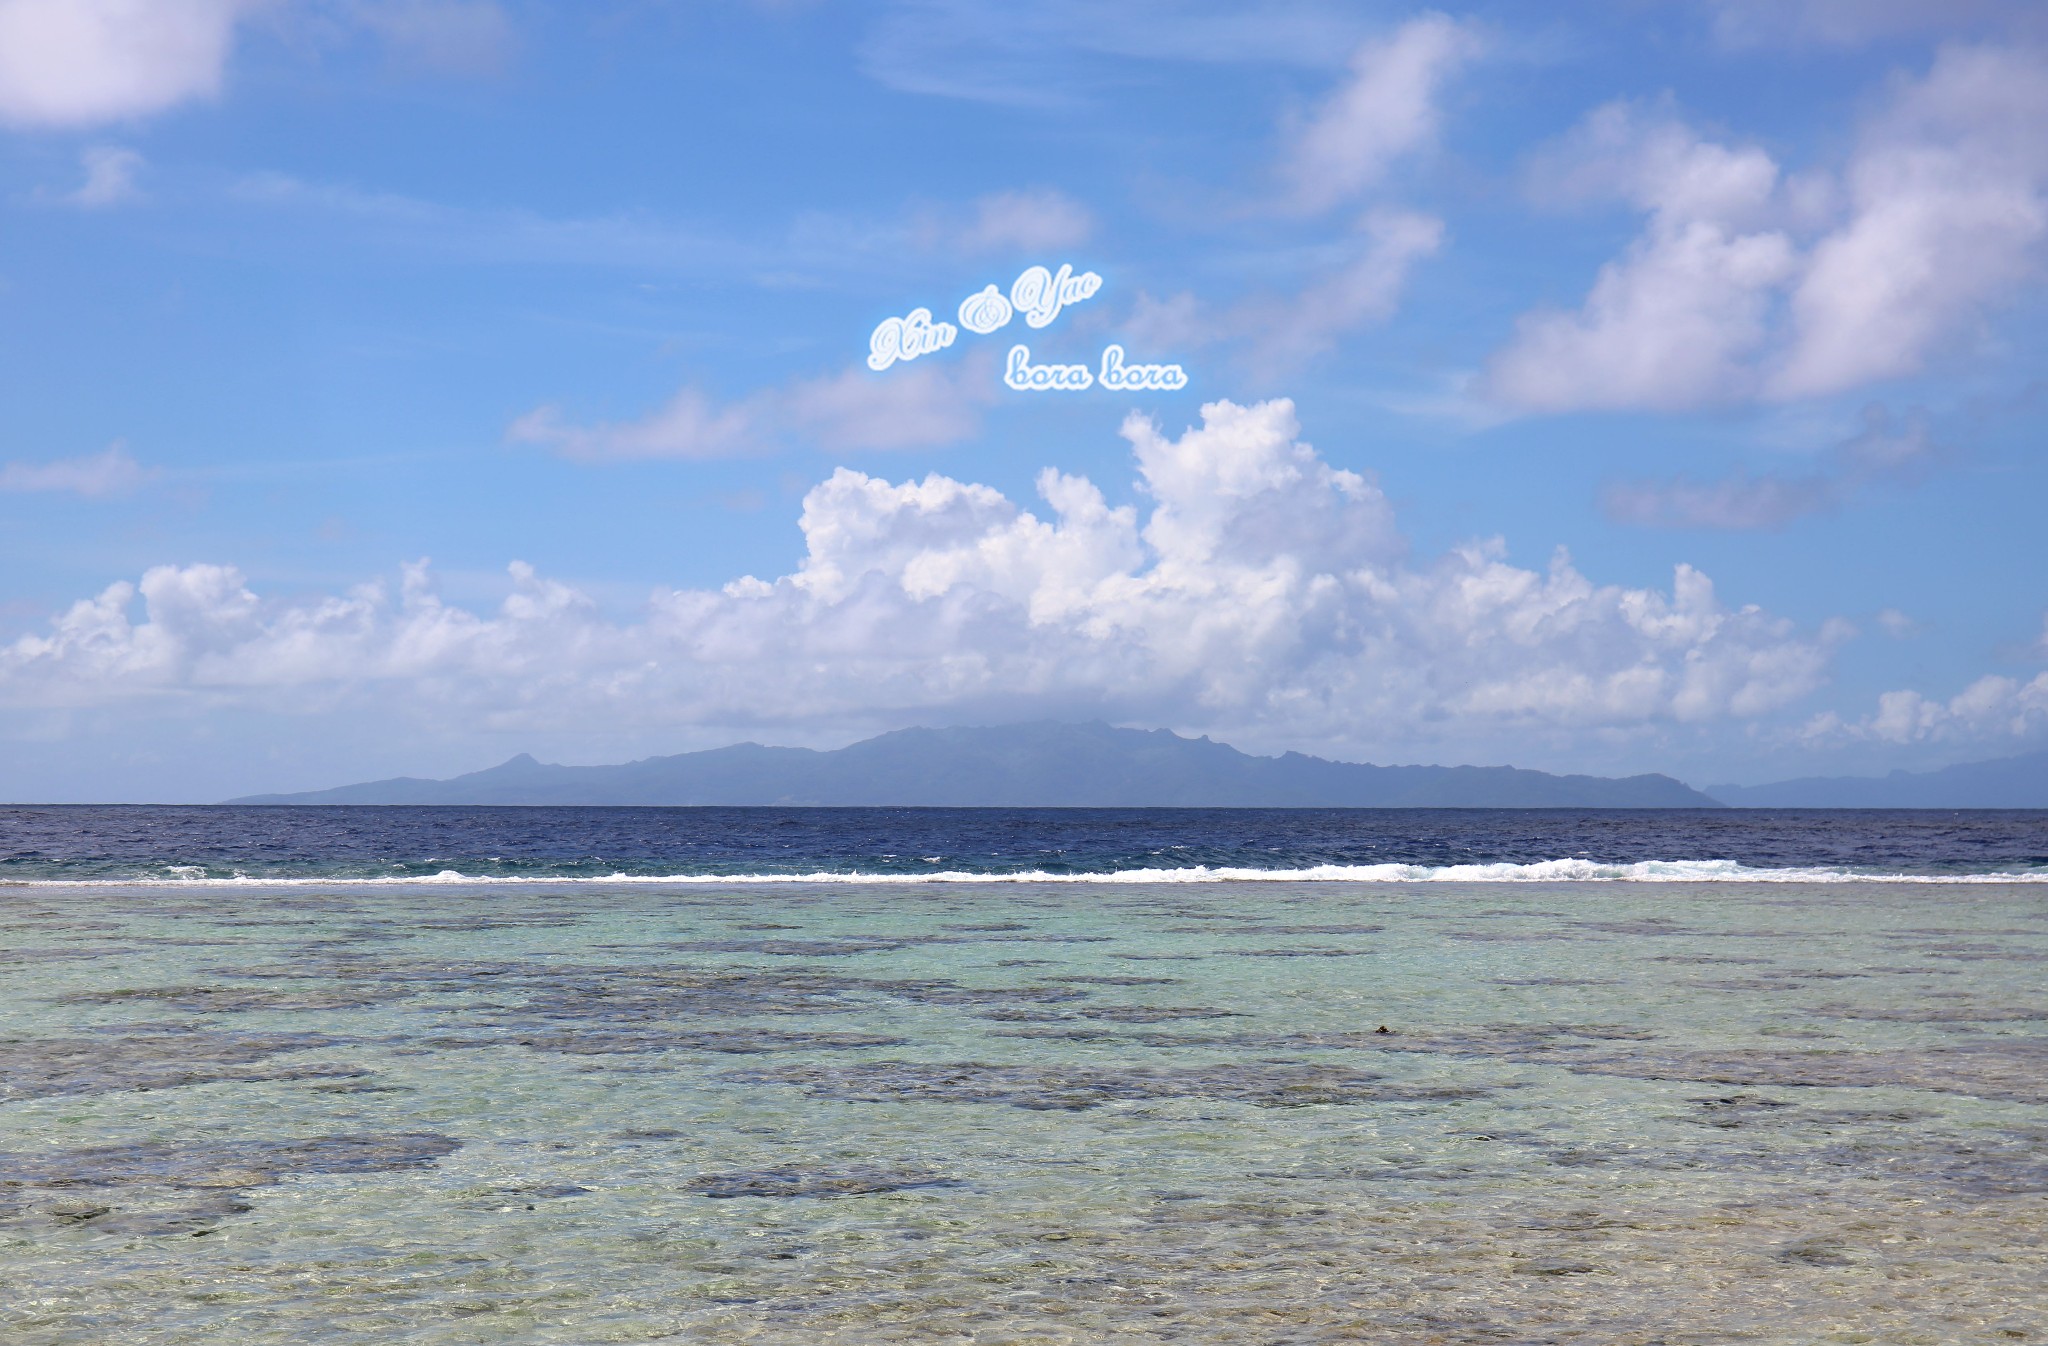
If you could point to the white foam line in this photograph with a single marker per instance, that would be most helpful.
(1543, 871)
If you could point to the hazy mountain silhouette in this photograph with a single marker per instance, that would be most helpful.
(2007, 783)
(1019, 766)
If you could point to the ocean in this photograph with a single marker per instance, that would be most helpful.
(1027, 1076)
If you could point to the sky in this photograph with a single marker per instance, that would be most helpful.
(391, 386)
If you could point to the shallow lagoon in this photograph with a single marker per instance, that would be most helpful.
(1604, 1112)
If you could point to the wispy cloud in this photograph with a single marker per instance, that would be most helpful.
(1386, 109)
(922, 407)
(1060, 53)
(1013, 221)
(1887, 448)
(688, 426)
(111, 471)
(110, 173)
(1749, 24)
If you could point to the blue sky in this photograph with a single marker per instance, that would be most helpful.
(388, 386)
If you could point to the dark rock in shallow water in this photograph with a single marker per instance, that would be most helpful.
(162, 1189)
(115, 1061)
(235, 1163)
(729, 1041)
(225, 999)
(1817, 1252)
(1077, 1088)
(801, 1182)
(1155, 1014)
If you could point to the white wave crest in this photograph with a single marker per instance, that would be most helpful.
(1541, 871)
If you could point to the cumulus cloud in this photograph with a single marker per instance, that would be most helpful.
(1949, 200)
(1992, 707)
(111, 471)
(1672, 322)
(1744, 284)
(1888, 447)
(81, 62)
(923, 406)
(1259, 589)
(1385, 110)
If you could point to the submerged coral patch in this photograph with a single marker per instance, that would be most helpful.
(173, 1188)
(114, 1061)
(792, 1181)
(226, 999)
(1077, 1088)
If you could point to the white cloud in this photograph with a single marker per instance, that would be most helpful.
(81, 62)
(109, 177)
(1990, 708)
(89, 62)
(1261, 592)
(111, 471)
(1671, 322)
(1385, 110)
(1897, 624)
(1948, 206)
(1741, 286)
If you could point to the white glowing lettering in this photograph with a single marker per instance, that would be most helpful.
(1118, 375)
(985, 312)
(1026, 377)
(908, 337)
(1040, 295)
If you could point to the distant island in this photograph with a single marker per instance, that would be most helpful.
(1046, 765)
(2007, 783)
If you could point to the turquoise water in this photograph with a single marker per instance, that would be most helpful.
(1603, 1112)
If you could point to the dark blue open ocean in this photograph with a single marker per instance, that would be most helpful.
(148, 843)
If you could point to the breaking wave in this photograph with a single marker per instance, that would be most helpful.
(1543, 871)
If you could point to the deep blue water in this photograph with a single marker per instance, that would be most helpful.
(137, 842)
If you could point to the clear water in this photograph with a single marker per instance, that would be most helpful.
(576, 1112)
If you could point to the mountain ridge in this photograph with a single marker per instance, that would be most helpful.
(1039, 765)
(2019, 782)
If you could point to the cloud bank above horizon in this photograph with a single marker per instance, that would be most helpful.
(1262, 594)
